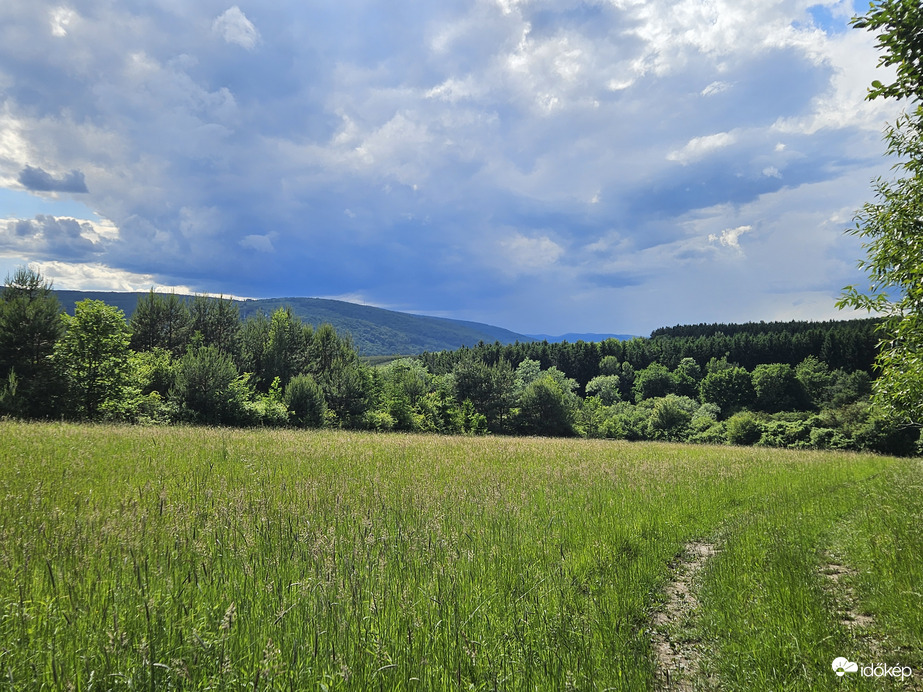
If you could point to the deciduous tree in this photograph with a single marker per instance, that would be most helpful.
(892, 225)
(606, 387)
(93, 355)
(778, 389)
(730, 390)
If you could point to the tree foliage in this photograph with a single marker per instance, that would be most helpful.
(203, 381)
(30, 325)
(606, 387)
(730, 390)
(892, 225)
(286, 347)
(93, 355)
(305, 400)
(547, 406)
(160, 322)
(654, 381)
(685, 385)
(217, 320)
(777, 388)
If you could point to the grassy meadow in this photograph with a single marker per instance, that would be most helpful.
(193, 558)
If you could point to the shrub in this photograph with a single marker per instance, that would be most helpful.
(627, 422)
(305, 399)
(379, 420)
(828, 438)
(670, 417)
(785, 433)
(743, 428)
(203, 385)
(885, 435)
(709, 433)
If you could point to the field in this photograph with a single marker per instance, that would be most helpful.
(190, 558)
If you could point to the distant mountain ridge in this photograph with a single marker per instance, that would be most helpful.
(572, 337)
(374, 331)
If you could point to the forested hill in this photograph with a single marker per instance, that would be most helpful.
(848, 345)
(374, 331)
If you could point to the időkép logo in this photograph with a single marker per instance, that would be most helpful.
(842, 666)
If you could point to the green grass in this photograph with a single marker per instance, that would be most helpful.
(189, 558)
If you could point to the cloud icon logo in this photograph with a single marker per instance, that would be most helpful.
(841, 666)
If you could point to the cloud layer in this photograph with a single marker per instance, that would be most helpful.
(547, 166)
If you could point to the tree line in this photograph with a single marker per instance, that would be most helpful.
(842, 345)
(197, 361)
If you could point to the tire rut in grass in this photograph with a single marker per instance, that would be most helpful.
(677, 648)
(861, 625)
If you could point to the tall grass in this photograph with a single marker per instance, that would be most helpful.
(188, 558)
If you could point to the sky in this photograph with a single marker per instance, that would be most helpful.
(547, 166)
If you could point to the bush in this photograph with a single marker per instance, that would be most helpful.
(705, 428)
(305, 399)
(886, 436)
(708, 433)
(785, 433)
(628, 422)
(743, 428)
(379, 420)
(670, 417)
(203, 386)
(829, 438)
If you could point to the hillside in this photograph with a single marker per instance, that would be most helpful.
(375, 331)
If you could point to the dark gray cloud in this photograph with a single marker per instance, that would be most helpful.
(50, 238)
(38, 180)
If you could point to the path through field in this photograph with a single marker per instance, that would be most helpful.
(675, 645)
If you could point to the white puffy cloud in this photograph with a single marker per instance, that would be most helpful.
(49, 236)
(95, 276)
(729, 237)
(60, 19)
(699, 147)
(234, 27)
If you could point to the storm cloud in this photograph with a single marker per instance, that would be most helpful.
(544, 165)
